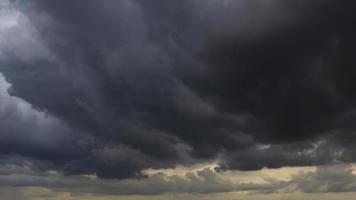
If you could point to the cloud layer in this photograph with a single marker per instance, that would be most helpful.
(203, 180)
(115, 87)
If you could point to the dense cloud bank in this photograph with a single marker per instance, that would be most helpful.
(326, 179)
(115, 87)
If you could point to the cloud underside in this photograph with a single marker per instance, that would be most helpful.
(204, 180)
(112, 88)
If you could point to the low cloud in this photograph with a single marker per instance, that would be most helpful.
(112, 88)
(204, 180)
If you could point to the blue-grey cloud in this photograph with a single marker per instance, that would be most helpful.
(129, 85)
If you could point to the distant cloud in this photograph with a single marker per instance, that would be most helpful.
(339, 178)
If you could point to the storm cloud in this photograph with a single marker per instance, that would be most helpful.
(114, 87)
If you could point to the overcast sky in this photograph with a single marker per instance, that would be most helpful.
(177, 99)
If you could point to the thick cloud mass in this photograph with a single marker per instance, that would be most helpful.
(151, 84)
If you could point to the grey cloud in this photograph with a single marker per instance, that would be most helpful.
(29, 132)
(9, 193)
(338, 178)
(204, 181)
(329, 149)
(155, 84)
(23, 173)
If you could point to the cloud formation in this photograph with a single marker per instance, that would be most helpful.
(115, 87)
(204, 180)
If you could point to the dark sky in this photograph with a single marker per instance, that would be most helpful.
(114, 87)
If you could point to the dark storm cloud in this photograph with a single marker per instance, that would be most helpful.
(291, 77)
(204, 181)
(161, 83)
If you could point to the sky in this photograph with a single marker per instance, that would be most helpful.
(177, 99)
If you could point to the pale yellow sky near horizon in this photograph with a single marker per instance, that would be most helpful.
(45, 194)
